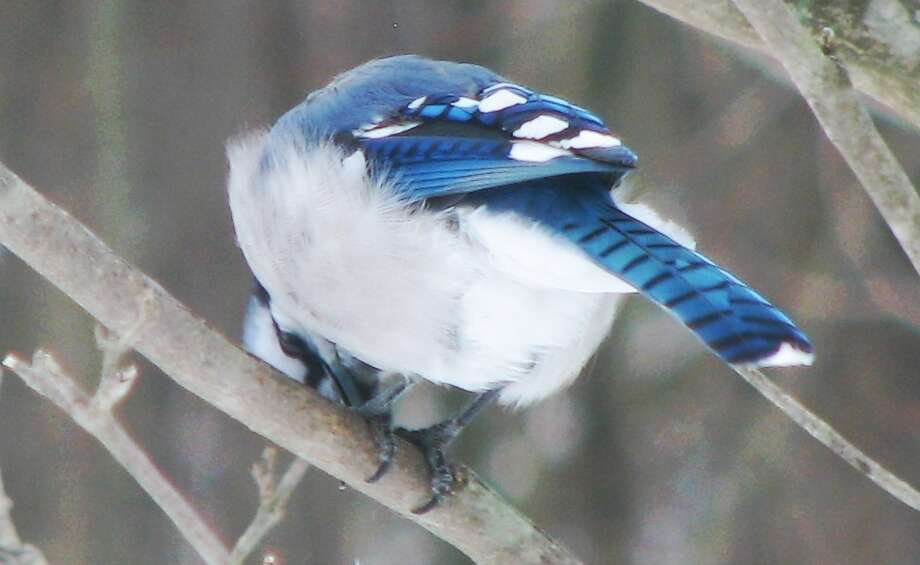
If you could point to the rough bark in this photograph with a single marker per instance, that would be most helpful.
(877, 40)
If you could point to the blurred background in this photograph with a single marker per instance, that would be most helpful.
(119, 111)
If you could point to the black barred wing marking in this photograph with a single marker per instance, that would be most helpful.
(526, 115)
(430, 167)
(505, 135)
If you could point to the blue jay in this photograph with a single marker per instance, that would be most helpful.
(420, 219)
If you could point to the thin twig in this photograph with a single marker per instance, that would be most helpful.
(94, 414)
(831, 438)
(475, 520)
(114, 385)
(825, 85)
(273, 499)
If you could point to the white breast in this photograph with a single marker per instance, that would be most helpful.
(402, 288)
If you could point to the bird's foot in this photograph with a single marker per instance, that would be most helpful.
(432, 441)
(384, 440)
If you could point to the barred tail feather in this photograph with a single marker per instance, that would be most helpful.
(738, 324)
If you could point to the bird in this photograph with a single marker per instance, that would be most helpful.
(418, 219)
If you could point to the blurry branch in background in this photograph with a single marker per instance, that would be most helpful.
(273, 498)
(867, 34)
(475, 520)
(850, 42)
(94, 414)
(12, 550)
(828, 436)
(824, 83)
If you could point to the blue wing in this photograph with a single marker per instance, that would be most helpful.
(449, 144)
(540, 157)
(429, 167)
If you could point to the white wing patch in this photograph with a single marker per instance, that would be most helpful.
(374, 131)
(534, 152)
(500, 100)
(569, 130)
(540, 127)
(587, 139)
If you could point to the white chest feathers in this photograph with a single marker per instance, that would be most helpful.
(477, 303)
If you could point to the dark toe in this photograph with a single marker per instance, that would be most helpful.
(386, 446)
(382, 469)
(432, 503)
(431, 441)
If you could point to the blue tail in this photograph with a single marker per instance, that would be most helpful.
(738, 324)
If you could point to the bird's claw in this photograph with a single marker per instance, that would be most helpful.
(385, 442)
(431, 441)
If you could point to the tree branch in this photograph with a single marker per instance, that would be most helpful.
(94, 414)
(831, 438)
(824, 83)
(826, 87)
(877, 69)
(273, 499)
(476, 520)
(867, 36)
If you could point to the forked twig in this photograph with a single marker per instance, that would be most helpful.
(94, 414)
(825, 84)
(273, 498)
